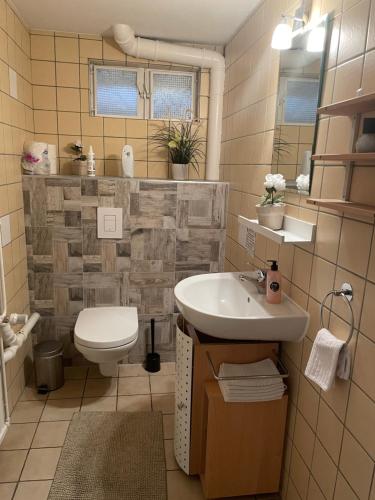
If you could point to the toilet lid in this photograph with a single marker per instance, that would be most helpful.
(106, 327)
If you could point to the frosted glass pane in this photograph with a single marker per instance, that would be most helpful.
(172, 96)
(116, 92)
(301, 101)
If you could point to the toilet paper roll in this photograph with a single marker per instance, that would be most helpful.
(52, 154)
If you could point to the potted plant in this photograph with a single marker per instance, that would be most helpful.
(271, 209)
(183, 145)
(79, 164)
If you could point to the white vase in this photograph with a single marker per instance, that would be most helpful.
(180, 171)
(271, 216)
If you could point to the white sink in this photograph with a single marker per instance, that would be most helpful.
(223, 306)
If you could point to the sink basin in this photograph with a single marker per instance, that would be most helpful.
(223, 306)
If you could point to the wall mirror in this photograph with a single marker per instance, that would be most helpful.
(300, 83)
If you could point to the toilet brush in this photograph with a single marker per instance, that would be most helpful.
(153, 358)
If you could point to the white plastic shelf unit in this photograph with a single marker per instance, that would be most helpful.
(293, 231)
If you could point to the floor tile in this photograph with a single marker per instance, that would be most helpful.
(75, 372)
(50, 434)
(7, 490)
(94, 372)
(101, 387)
(33, 490)
(41, 464)
(30, 393)
(27, 411)
(132, 370)
(168, 426)
(183, 487)
(162, 384)
(134, 403)
(60, 409)
(168, 368)
(170, 461)
(18, 437)
(70, 389)
(163, 403)
(128, 386)
(11, 463)
(99, 404)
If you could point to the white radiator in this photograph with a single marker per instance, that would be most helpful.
(184, 368)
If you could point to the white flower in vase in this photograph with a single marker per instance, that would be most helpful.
(303, 182)
(271, 208)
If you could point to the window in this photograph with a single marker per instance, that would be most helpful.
(298, 100)
(120, 91)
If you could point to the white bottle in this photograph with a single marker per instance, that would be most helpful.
(91, 162)
(127, 161)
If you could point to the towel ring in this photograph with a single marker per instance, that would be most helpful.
(346, 292)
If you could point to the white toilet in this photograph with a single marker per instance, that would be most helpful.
(104, 335)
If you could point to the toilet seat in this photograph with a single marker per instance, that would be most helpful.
(106, 327)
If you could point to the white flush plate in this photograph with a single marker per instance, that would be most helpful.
(5, 230)
(109, 222)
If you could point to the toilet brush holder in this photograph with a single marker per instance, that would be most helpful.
(152, 363)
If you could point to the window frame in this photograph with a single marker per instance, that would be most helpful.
(128, 69)
(194, 89)
(282, 97)
(144, 86)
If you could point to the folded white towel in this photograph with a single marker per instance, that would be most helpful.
(249, 390)
(323, 361)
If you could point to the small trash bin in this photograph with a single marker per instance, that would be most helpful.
(48, 364)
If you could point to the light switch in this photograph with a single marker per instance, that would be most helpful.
(109, 222)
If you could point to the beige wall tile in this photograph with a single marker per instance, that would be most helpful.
(324, 470)
(67, 74)
(68, 99)
(43, 73)
(42, 47)
(302, 268)
(330, 431)
(354, 248)
(353, 31)
(69, 123)
(91, 125)
(343, 491)
(368, 313)
(114, 127)
(90, 49)
(67, 50)
(361, 418)
(44, 97)
(299, 473)
(356, 466)
(45, 122)
(364, 368)
(322, 278)
(348, 79)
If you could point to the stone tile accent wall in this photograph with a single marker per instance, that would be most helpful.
(171, 230)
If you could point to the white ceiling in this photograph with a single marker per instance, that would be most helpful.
(204, 21)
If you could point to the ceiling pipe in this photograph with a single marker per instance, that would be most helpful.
(161, 51)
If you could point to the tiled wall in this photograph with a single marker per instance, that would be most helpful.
(16, 124)
(171, 230)
(330, 447)
(60, 78)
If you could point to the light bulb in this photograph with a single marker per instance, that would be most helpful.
(315, 40)
(282, 37)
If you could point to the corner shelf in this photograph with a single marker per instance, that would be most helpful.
(350, 107)
(355, 157)
(348, 207)
(294, 230)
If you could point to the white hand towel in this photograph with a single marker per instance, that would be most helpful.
(323, 361)
(343, 363)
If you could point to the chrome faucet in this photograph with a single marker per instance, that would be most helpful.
(258, 277)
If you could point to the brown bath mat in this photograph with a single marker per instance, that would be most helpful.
(112, 456)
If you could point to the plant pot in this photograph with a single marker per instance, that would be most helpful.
(180, 171)
(271, 216)
(79, 167)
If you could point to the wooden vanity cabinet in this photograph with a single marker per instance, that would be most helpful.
(236, 448)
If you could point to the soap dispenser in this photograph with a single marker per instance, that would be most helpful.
(273, 292)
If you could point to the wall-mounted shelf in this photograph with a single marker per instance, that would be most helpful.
(348, 207)
(350, 107)
(294, 230)
(356, 157)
